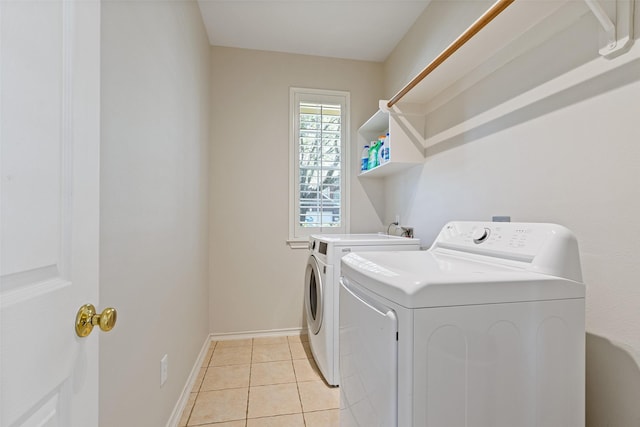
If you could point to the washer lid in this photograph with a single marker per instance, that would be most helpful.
(364, 239)
(417, 279)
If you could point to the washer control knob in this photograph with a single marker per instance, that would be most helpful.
(479, 235)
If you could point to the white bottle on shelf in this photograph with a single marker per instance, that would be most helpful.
(364, 160)
(387, 145)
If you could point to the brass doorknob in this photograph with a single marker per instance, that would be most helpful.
(87, 318)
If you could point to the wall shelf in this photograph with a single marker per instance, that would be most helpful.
(513, 31)
(405, 147)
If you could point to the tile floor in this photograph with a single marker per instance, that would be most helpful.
(261, 382)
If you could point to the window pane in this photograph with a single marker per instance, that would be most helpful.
(320, 160)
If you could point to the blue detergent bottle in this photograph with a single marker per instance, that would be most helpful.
(364, 160)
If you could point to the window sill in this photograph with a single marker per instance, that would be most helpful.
(298, 244)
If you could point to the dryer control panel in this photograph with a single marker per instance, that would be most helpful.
(543, 246)
(520, 240)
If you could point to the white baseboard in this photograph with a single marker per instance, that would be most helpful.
(186, 391)
(258, 334)
(174, 419)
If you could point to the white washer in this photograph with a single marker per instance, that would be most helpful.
(321, 289)
(485, 329)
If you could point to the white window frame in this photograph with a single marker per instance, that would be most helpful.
(299, 236)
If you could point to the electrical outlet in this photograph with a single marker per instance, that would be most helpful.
(164, 369)
(397, 219)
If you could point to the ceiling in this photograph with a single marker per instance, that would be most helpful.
(353, 29)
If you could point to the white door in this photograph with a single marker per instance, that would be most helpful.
(49, 148)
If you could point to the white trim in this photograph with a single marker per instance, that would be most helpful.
(294, 92)
(258, 334)
(298, 244)
(174, 419)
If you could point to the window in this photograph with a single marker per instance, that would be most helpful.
(319, 160)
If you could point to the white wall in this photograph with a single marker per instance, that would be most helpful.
(427, 38)
(256, 279)
(154, 205)
(571, 159)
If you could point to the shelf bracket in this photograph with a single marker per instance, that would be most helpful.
(616, 36)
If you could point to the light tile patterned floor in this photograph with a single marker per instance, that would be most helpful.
(261, 382)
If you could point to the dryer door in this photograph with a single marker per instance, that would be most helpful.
(313, 294)
(368, 349)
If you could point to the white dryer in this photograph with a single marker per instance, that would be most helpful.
(321, 289)
(486, 328)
